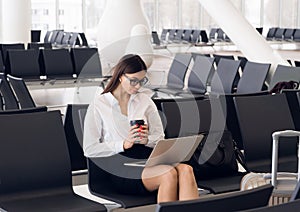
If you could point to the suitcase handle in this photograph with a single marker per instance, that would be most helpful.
(275, 136)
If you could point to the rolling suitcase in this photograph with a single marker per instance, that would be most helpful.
(284, 182)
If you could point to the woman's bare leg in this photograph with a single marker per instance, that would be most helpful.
(188, 188)
(165, 179)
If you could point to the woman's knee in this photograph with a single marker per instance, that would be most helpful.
(184, 169)
(170, 176)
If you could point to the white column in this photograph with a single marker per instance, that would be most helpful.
(16, 21)
(242, 33)
(115, 25)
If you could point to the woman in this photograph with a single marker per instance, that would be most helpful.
(108, 134)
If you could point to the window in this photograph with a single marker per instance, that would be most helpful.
(289, 14)
(70, 15)
(93, 10)
(190, 14)
(168, 14)
(252, 12)
(149, 10)
(43, 15)
(271, 13)
(84, 15)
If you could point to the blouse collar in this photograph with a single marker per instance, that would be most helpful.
(113, 101)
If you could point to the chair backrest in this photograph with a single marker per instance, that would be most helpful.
(259, 30)
(223, 79)
(220, 35)
(164, 34)
(284, 73)
(179, 35)
(279, 34)
(187, 35)
(74, 135)
(73, 39)
(35, 35)
(195, 36)
(219, 56)
(293, 101)
(155, 38)
(21, 91)
(2, 67)
(178, 70)
(56, 63)
(10, 100)
(86, 62)
(37, 46)
(53, 36)
(59, 38)
(289, 34)
(6, 47)
(204, 37)
(23, 63)
(259, 117)
(236, 201)
(226, 38)
(47, 37)
(243, 61)
(172, 34)
(213, 34)
(297, 35)
(253, 77)
(195, 55)
(203, 67)
(66, 38)
(271, 33)
(34, 158)
(83, 39)
(186, 117)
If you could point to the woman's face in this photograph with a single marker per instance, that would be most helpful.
(131, 83)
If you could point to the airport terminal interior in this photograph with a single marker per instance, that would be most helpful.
(222, 75)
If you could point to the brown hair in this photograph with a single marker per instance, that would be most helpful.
(128, 64)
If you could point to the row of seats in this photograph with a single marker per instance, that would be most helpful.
(258, 112)
(46, 174)
(14, 94)
(258, 116)
(60, 38)
(283, 34)
(218, 35)
(52, 64)
(221, 76)
(179, 119)
(194, 35)
(183, 35)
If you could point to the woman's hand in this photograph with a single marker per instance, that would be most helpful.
(143, 134)
(138, 135)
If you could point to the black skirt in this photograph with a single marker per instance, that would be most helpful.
(128, 179)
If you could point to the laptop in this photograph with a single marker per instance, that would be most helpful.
(170, 151)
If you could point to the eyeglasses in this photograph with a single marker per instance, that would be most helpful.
(135, 81)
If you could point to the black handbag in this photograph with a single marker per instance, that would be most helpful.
(216, 156)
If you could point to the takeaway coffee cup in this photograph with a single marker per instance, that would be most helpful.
(138, 122)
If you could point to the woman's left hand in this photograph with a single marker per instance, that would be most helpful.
(143, 134)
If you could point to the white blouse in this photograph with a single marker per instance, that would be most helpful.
(106, 128)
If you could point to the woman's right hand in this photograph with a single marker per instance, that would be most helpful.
(131, 138)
